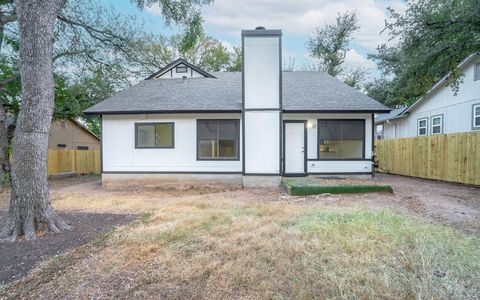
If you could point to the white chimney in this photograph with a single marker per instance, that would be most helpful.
(262, 104)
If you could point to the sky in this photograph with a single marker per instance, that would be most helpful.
(298, 19)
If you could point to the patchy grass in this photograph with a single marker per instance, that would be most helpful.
(310, 186)
(214, 248)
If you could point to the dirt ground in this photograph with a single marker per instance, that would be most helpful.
(93, 210)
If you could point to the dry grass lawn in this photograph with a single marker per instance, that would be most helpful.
(220, 246)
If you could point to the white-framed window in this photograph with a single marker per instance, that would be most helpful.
(476, 72)
(436, 124)
(476, 116)
(422, 126)
(181, 69)
(380, 132)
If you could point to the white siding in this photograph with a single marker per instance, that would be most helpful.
(456, 109)
(338, 166)
(262, 72)
(262, 142)
(119, 153)
(172, 73)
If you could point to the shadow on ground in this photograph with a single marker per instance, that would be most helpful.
(18, 258)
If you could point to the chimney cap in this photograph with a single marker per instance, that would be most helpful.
(259, 28)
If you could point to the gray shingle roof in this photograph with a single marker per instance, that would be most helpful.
(396, 113)
(302, 91)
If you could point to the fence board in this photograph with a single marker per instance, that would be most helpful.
(73, 161)
(450, 157)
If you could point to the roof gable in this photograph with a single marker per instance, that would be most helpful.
(176, 63)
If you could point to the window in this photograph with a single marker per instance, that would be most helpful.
(154, 135)
(437, 124)
(422, 125)
(341, 139)
(181, 69)
(61, 146)
(380, 132)
(82, 147)
(218, 139)
(476, 116)
(476, 72)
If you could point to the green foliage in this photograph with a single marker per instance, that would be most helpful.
(329, 45)
(235, 60)
(427, 42)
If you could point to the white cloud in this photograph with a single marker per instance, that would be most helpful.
(353, 59)
(299, 17)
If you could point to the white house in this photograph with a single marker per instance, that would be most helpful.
(440, 110)
(250, 127)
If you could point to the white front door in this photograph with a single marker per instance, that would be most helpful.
(294, 147)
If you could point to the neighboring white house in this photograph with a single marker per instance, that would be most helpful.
(440, 111)
(251, 127)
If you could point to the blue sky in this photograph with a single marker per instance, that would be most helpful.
(298, 19)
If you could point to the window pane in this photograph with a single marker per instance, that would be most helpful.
(207, 130)
(422, 123)
(436, 129)
(164, 135)
(341, 139)
(218, 139)
(477, 110)
(146, 135)
(207, 149)
(477, 121)
(227, 148)
(436, 121)
(422, 131)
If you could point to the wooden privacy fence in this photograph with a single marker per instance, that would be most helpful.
(450, 157)
(73, 161)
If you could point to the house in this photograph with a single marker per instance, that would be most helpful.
(440, 110)
(70, 134)
(249, 127)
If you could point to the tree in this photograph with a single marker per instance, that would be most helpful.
(427, 42)
(207, 53)
(354, 77)
(329, 44)
(30, 208)
(235, 60)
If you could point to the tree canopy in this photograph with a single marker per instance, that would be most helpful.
(426, 42)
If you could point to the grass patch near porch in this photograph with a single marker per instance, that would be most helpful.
(314, 186)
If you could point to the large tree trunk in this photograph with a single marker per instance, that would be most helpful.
(30, 208)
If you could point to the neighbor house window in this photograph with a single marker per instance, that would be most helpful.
(422, 125)
(476, 116)
(380, 132)
(218, 139)
(181, 69)
(341, 139)
(476, 72)
(61, 146)
(437, 124)
(82, 147)
(154, 135)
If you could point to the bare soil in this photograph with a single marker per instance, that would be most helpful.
(93, 210)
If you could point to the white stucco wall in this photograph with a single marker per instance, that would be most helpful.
(335, 166)
(119, 153)
(456, 109)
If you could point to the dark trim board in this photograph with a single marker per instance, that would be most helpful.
(341, 173)
(305, 148)
(159, 112)
(170, 66)
(262, 32)
(172, 172)
(101, 144)
(346, 159)
(372, 153)
(333, 111)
